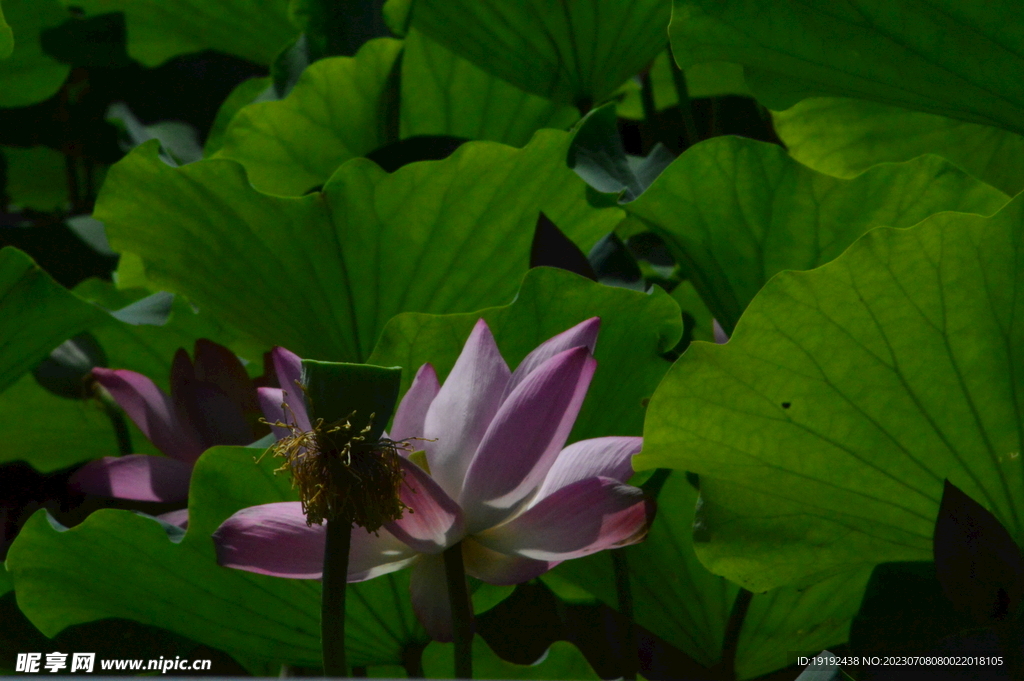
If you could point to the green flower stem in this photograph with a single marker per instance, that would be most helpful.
(647, 98)
(332, 603)
(462, 613)
(683, 94)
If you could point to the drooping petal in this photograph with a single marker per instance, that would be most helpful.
(288, 367)
(607, 457)
(271, 400)
(459, 415)
(579, 519)
(152, 411)
(179, 518)
(273, 539)
(500, 568)
(137, 476)
(412, 411)
(435, 521)
(525, 437)
(428, 588)
(583, 334)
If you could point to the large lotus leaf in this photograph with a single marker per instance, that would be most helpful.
(6, 37)
(334, 113)
(675, 597)
(322, 274)
(823, 430)
(161, 29)
(337, 111)
(712, 79)
(119, 564)
(245, 93)
(958, 59)
(443, 94)
(29, 75)
(573, 52)
(36, 177)
(845, 137)
(635, 329)
(563, 660)
(36, 315)
(734, 211)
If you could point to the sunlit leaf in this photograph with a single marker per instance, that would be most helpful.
(734, 212)
(845, 137)
(322, 274)
(823, 430)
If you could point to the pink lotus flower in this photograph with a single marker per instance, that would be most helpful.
(212, 402)
(496, 478)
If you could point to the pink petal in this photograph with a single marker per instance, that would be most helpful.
(459, 415)
(435, 521)
(136, 476)
(152, 411)
(270, 403)
(288, 367)
(179, 518)
(525, 437)
(583, 518)
(273, 539)
(428, 587)
(501, 568)
(606, 457)
(583, 334)
(217, 418)
(412, 411)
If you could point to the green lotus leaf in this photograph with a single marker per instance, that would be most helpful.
(119, 564)
(340, 109)
(578, 53)
(245, 93)
(161, 29)
(36, 177)
(29, 75)
(6, 37)
(334, 113)
(946, 57)
(635, 329)
(676, 598)
(702, 80)
(443, 94)
(734, 212)
(36, 315)
(563, 660)
(823, 430)
(845, 137)
(322, 274)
